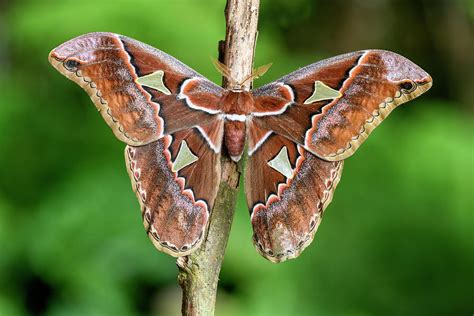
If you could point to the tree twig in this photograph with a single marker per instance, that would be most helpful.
(199, 272)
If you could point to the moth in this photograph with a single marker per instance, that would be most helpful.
(176, 124)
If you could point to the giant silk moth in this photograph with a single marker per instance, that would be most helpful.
(176, 123)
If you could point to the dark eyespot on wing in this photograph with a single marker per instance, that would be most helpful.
(407, 86)
(71, 64)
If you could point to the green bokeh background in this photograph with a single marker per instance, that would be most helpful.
(397, 239)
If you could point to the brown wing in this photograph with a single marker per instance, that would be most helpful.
(141, 92)
(330, 107)
(176, 179)
(149, 98)
(287, 191)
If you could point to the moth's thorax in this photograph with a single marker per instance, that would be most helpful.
(237, 102)
(236, 105)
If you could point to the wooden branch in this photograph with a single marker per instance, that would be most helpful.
(199, 272)
(241, 37)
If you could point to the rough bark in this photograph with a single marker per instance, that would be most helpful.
(199, 272)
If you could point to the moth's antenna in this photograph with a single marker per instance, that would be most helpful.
(223, 70)
(257, 73)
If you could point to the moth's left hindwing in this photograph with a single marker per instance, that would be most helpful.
(287, 189)
(166, 113)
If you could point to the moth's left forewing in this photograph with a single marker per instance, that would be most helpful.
(379, 83)
(330, 107)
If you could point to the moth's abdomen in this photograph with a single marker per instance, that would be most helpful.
(236, 105)
(234, 138)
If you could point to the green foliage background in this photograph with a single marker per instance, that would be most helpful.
(397, 239)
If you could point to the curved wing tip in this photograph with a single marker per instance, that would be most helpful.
(425, 81)
(53, 58)
(68, 48)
